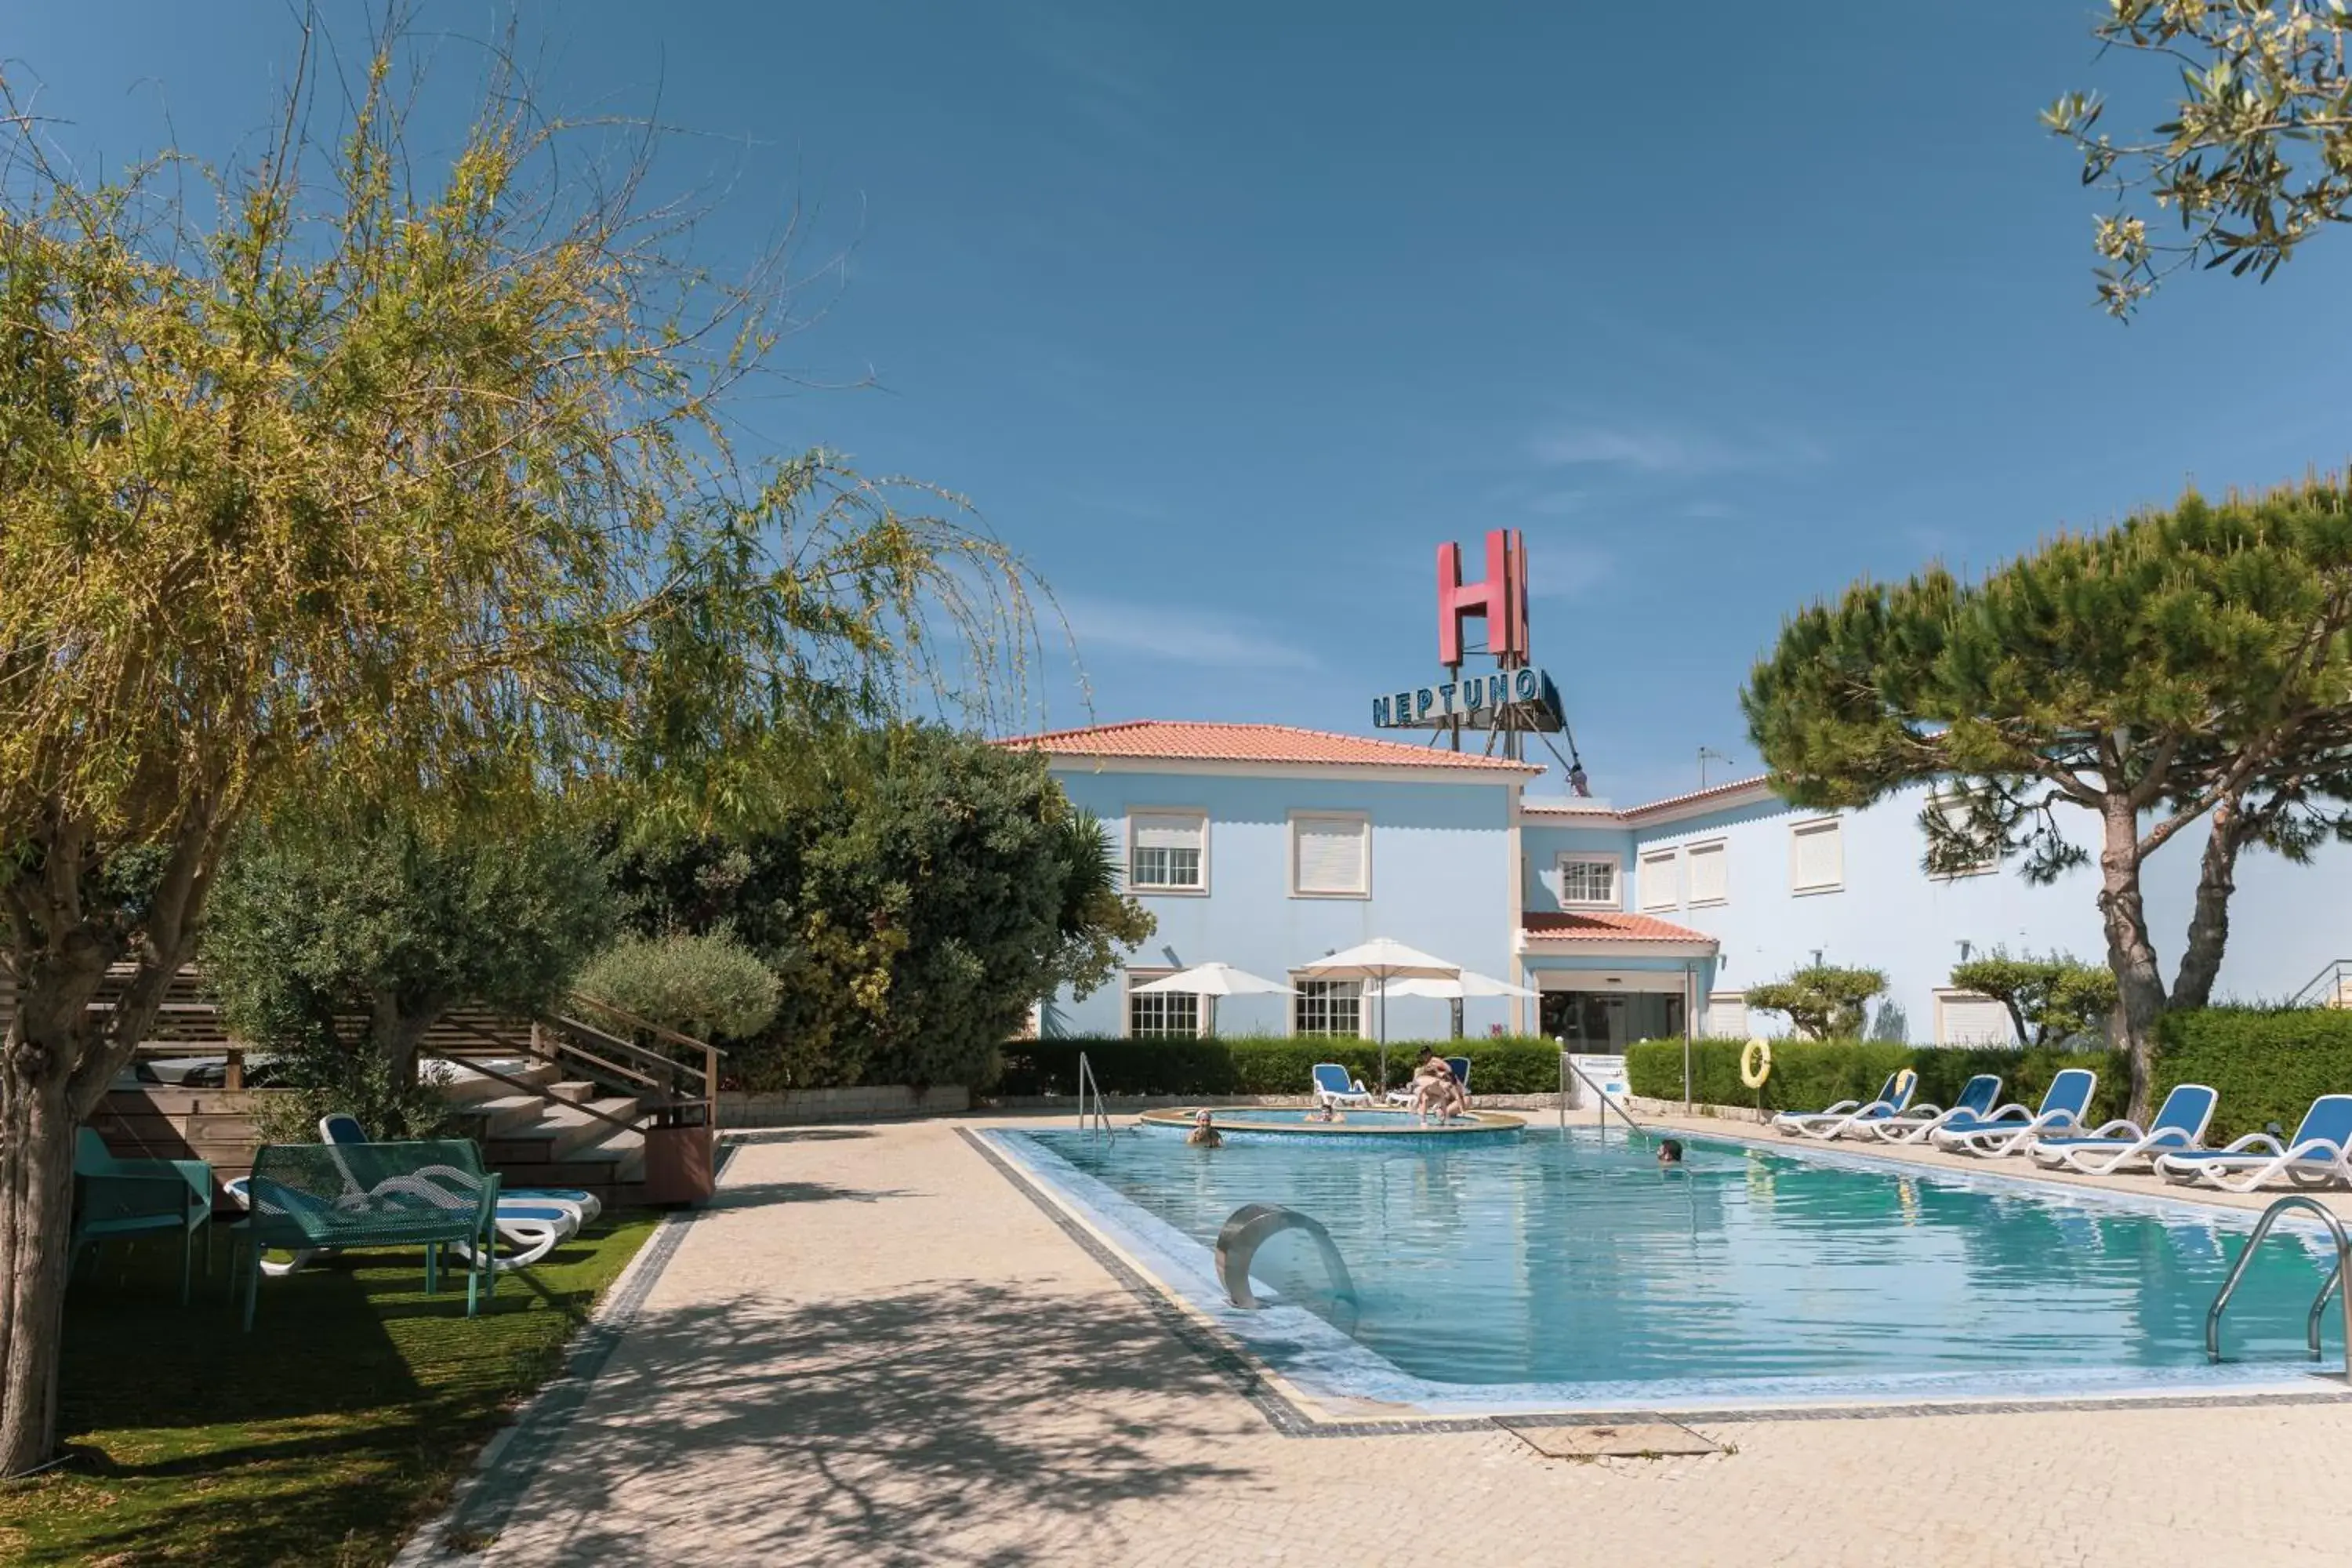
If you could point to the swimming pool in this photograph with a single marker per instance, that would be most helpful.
(1566, 1271)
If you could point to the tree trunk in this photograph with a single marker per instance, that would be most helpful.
(37, 1126)
(2208, 922)
(2139, 986)
(54, 1065)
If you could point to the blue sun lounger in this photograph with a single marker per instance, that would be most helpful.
(1976, 1099)
(2178, 1128)
(2013, 1127)
(1893, 1095)
(2319, 1155)
(1334, 1087)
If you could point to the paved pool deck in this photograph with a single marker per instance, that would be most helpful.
(873, 1348)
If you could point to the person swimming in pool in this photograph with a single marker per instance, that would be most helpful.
(1205, 1132)
(1670, 1152)
(1327, 1113)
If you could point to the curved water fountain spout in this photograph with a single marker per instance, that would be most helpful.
(1251, 1226)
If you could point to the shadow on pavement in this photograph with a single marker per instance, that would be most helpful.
(955, 1424)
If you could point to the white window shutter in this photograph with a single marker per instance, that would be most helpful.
(1708, 882)
(1820, 856)
(1968, 1019)
(1661, 881)
(1156, 832)
(1726, 1016)
(1331, 855)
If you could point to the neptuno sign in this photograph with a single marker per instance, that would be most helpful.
(1524, 697)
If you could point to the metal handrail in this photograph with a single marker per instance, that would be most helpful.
(2335, 1278)
(1100, 1119)
(1567, 1066)
(2328, 982)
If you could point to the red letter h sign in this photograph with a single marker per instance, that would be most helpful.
(1501, 599)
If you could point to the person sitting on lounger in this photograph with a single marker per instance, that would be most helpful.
(1205, 1132)
(1434, 1087)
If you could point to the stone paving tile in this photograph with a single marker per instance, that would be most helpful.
(873, 1350)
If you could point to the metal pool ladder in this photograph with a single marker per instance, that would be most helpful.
(2319, 1303)
(1600, 1115)
(1099, 1121)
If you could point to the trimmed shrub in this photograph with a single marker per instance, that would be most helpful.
(2268, 1064)
(1810, 1074)
(710, 986)
(1248, 1064)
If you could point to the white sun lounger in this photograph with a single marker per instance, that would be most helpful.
(1893, 1095)
(2178, 1128)
(1975, 1101)
(2013, 1127)
(2318, 1154)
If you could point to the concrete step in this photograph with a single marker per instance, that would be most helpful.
(466, 1087)
(577, 1091)
(512, 1115)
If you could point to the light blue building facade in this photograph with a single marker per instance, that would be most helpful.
(1267, 848)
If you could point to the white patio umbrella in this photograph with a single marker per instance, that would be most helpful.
(1382, 959)
(1215, 980)
(1471, 983)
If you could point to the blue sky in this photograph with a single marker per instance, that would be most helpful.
(1225, 315)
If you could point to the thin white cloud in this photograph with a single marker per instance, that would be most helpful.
(1567, 570)
(1200, 637)
(1658, 450)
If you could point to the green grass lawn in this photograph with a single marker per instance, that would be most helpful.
(325, 1435)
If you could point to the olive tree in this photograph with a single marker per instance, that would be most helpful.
(2049, 1000)
(345, 934)
(2190, 665)
(1822, 1001)
(406, 471)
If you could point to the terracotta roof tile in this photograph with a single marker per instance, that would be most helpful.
(1606, 925)
(1182, 741)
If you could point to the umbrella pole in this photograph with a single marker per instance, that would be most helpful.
(1384, 1033)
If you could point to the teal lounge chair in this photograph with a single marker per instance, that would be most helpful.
(117, 1197)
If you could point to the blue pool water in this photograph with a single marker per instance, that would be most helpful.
(1563, 1269)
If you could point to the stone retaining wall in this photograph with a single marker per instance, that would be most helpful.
(861, 1103)
(1642, 1106)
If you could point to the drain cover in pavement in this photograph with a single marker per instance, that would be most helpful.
(1648, 1440)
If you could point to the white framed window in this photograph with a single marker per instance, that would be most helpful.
(1816, 856)
(1708, 868)
(1662, 878)
(1966, 1018)
(1330, 855)
(1726, 1016)
(1955, 811)
(1588, 881)
(1327, 1007)
(1156, 1014)
(1168, 851)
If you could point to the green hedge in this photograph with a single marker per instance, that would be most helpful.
(1247, 1064)
(2268, 1064)
(1810, 1074)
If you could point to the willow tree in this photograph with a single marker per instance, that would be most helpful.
(2253, 155)
(411, 474)
(2191, 666)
